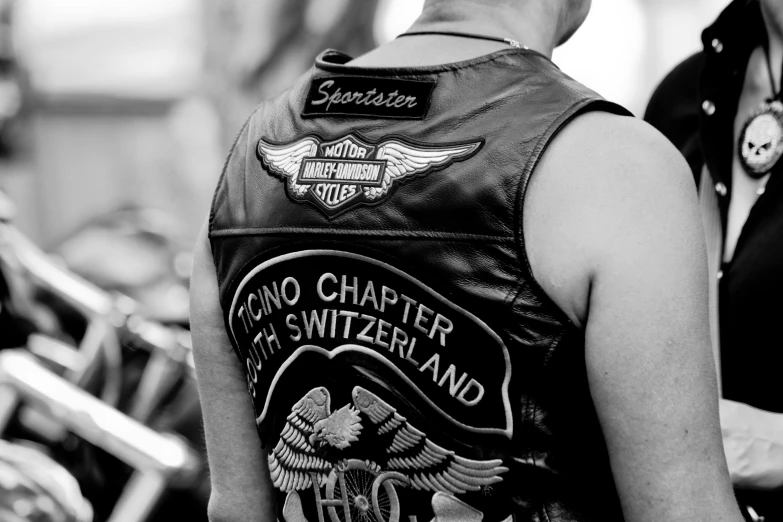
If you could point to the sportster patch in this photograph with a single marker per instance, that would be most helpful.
(338, 175)
(359, 96)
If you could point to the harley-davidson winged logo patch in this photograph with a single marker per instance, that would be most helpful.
(338, 175)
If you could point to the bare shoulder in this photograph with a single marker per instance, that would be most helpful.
(605, 184)
(596, 127)
(605, 156)
(623, 142)
(614, 237)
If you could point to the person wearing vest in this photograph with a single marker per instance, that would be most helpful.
(444, 281)
(722, 108)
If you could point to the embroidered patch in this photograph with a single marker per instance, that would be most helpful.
(365, 97)
(317, 310)
(379, 399)
(310, 453)
(338, 175)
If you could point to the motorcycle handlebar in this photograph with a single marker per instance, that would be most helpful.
(93, 420)
(93, 302)
(83, 295)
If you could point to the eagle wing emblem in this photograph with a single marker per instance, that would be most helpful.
(294, 459)
(404, 160)
(427, 465)
(337, 430)
(286, 160)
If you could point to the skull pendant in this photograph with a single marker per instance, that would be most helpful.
(761, 139)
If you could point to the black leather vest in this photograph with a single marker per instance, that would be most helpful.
(403, 362)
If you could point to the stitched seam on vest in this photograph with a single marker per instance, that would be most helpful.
(427, 70)
(550, 350)
(225, 311)
(533, 453)
(222, 178)
(560, 81)
(527, 426)
(385, 233)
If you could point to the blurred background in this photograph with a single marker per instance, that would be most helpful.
(134, 103)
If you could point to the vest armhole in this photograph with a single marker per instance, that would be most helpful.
(219, 199)
(580, 107)
(222, 179)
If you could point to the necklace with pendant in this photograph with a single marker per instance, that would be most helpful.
(761, 139)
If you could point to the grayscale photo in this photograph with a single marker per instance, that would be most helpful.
(391, 260)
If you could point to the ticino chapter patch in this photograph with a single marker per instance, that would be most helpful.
(338, 175)
(363, 378)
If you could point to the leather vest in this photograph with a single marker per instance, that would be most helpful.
(402, 360)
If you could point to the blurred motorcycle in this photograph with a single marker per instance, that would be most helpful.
(99, 384)
(137, 252)
(33, 487)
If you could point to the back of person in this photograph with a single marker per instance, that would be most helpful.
(376, 286)
(402, 252)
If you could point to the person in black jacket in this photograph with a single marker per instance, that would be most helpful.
(722, 108)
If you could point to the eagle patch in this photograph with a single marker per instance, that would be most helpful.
(314, 452)
(338, 175)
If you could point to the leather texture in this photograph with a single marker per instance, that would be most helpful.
(459, 231)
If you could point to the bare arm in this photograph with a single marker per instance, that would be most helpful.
(629, 264)
(241, 490)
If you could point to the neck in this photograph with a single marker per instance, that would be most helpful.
(772, 12)
(526, 22)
